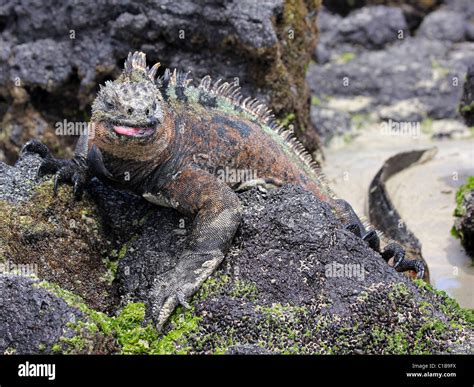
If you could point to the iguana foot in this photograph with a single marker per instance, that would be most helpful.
(176, 286)
(66, 171)
(400, 262)
(392, 250)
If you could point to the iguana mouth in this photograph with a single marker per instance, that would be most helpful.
(133, 132)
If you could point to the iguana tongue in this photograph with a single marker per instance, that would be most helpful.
(128, 131)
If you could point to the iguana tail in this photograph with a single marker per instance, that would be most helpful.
(382, 213)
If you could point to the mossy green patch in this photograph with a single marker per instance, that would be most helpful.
(182, 325)
(128, 328)
(468, 186)
(448, 305)
(398, 290)
(279, 311)
(398, 343)
(279, 326)
(418, 326)
(212, 286)
(288, 119)
(111, 261)
(346, 57)
(244, 290)
(111, 273)
(467, 108)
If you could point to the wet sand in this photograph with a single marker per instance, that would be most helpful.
(424, 195)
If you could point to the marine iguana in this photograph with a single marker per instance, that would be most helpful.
(164, 139)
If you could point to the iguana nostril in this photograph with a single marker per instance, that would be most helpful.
(130, 111)
(152, 121)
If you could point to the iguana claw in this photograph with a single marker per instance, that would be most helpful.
(167, 294)
(176, 286)
(392, 250)
(400, 263)
(66, 171)
(182, 300)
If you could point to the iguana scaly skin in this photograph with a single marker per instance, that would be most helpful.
(169, 141)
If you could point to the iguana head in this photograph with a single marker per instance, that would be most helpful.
(130, 112)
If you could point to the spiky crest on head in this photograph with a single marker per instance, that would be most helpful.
(135, 68)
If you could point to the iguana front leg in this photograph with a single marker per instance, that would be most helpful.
(73, 171)
(217, 213)
(85, 164)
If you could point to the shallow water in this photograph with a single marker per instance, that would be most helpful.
(424, 195)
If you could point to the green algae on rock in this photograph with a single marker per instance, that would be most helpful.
(464, 224)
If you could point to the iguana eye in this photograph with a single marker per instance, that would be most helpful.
(109, 105)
